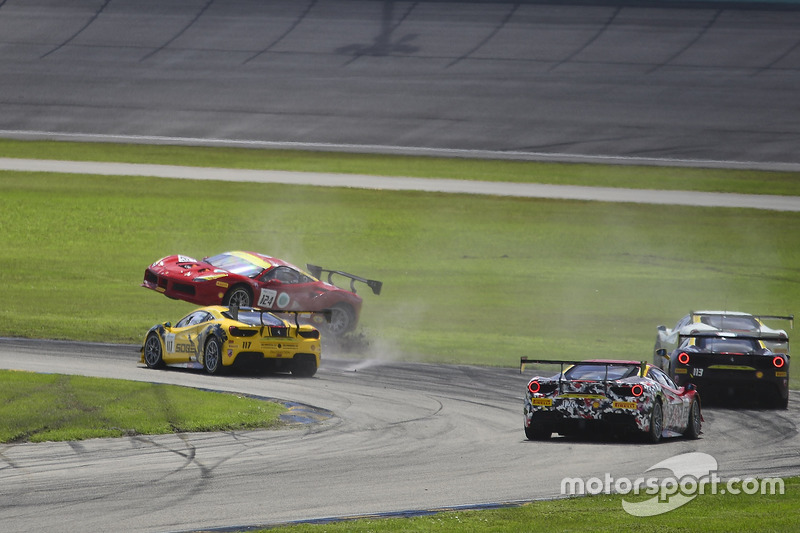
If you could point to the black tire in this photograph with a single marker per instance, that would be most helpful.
(695, 422)
(212, 356)
(656, 423)
(304, 365)
(534, 432)
(153, 354)
(239, 295)
(343, 319)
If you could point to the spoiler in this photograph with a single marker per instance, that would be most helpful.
(732, 335)
(317, 271)
(525, 361)
(788, 318)
(326, 313)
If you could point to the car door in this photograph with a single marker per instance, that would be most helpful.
(180, 344)
(286, 288)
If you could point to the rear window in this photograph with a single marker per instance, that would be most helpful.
(254, 318)
(722, 345)
(598, 372)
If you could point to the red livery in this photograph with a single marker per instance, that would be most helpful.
(249, 279)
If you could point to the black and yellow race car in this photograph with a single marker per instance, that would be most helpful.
(218, 337)
(733, 367)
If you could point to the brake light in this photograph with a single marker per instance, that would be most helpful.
(683, 358)
(778, 361)
(534, 387)
(239, 332)
(637, 390)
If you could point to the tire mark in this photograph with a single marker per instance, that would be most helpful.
(487, 38)
(382, 45)
(81, 30)
(180, 32)
(691, 43)
(775, 61)
(591, 40)
(289, 30)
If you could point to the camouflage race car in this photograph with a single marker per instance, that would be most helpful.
(667, 340)
(611, 396)
(216, 338)
(250, 279)
(734, 367)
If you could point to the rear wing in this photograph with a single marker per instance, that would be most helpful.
(326, 313)
(788, 318)
(562, 363)
(317, 271)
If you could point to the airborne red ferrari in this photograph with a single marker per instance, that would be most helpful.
(250, 279)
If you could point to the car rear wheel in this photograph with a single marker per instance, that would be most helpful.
(239, 296)
(695, 421)
(656, 423)
(304, 365)
(212, 356)
(342, 320)
(152, 351)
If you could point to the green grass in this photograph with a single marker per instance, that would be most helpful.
(631, 176)
(53, 407)
(708, 513)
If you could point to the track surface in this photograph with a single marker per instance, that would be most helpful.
(705, 83)
(405, 436)
(714, 81)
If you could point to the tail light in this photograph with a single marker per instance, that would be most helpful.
(534, 387)
(637, 390)
(778, 361)
(683, 358)
(239, 332)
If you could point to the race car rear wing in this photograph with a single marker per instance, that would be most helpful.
(605, 381)
(326, 313)
(317, 271)
(788, 318)
(525, 361)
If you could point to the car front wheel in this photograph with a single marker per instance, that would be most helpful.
(152, 351)
(238, 296)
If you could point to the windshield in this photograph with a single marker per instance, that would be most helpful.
(598, 372)
(235, 264)
(735, 323)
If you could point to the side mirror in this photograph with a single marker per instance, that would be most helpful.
(167, 324)
(272, 282)
(661, 352)
(690, 386)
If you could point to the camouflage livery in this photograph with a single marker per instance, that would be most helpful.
(609, 395)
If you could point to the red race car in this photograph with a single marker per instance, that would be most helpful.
(249, 279)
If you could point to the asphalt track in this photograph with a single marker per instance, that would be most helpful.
(670, 84)
(405, 437)
(669, 81)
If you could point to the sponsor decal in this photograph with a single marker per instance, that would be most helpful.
(283, 300)
(169, 342)
(681, 371)
(544, 402)
(781, 374)
(267, 298)
(222, 284)
(625, 405)
(186, 259)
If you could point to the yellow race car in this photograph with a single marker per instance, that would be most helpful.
(217, 337)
